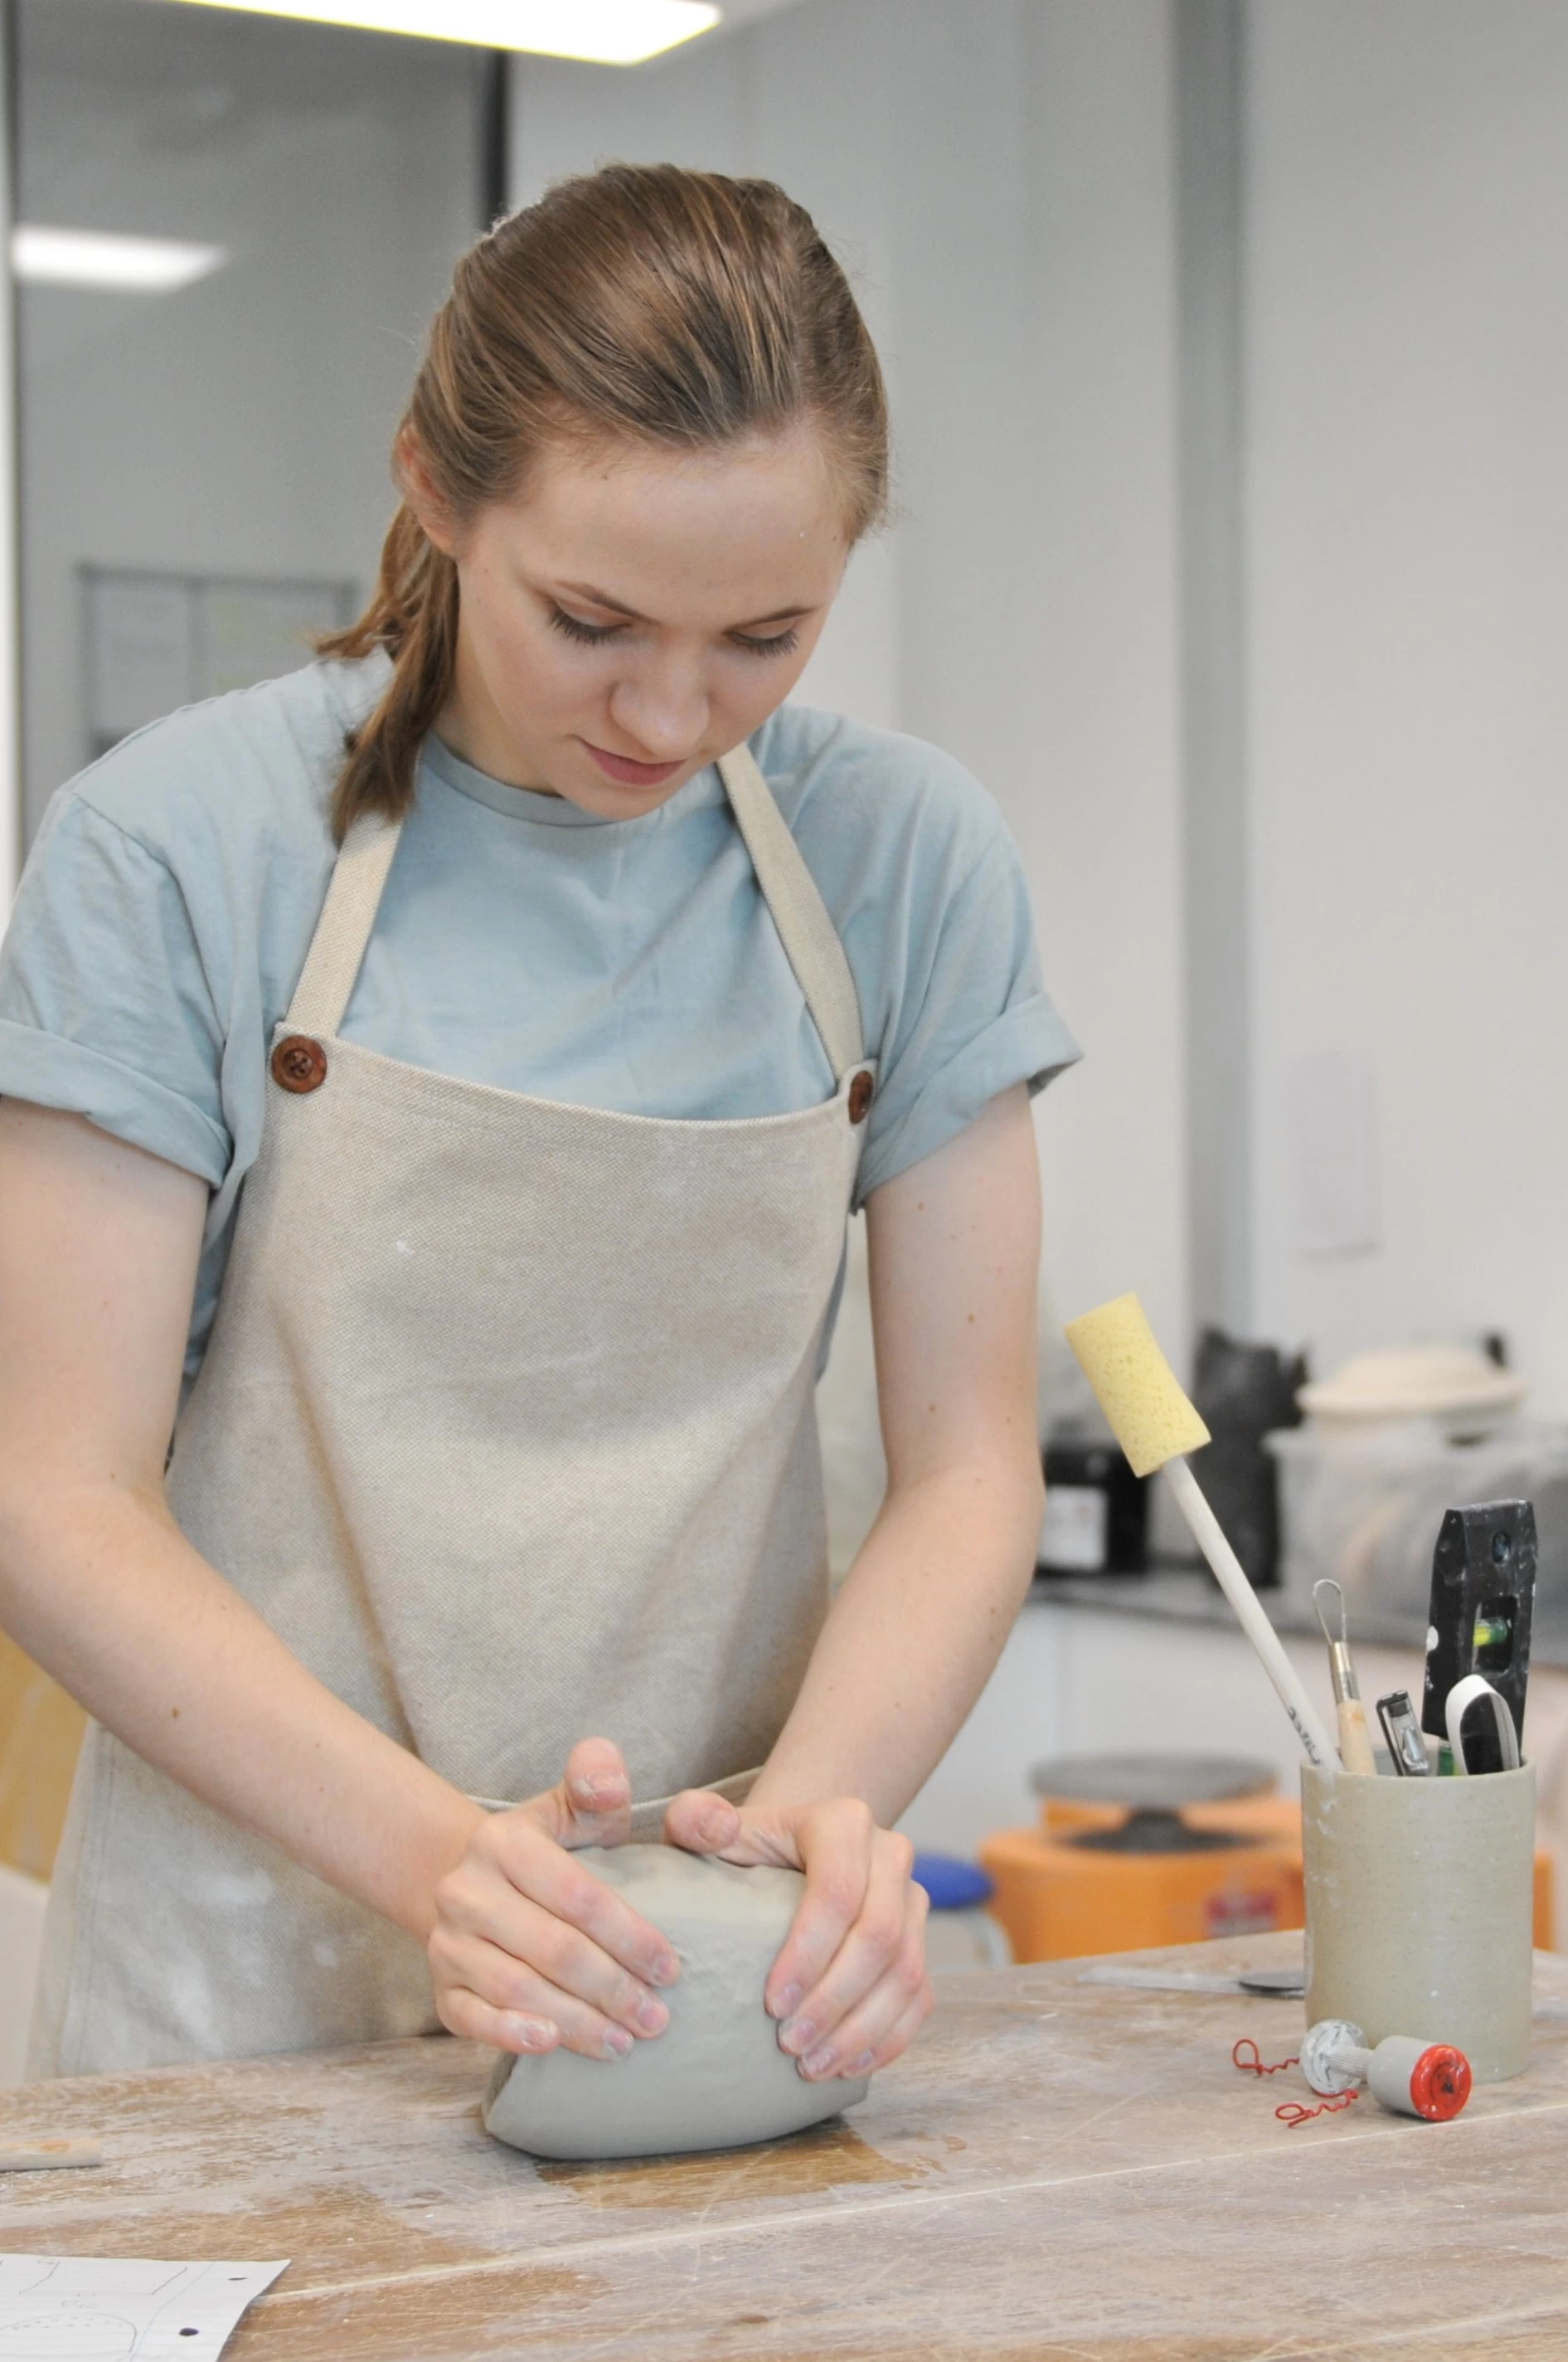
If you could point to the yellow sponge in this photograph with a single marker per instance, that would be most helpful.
(1150, 1417)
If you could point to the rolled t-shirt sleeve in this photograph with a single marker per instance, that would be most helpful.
(973, 1017)
(105, 1008)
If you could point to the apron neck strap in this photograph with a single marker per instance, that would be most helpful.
(798, 913)
(343, 930)
(805, 930)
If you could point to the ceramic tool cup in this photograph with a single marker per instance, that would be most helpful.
(1420, 1908)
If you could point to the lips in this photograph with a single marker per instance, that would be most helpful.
(627, 774)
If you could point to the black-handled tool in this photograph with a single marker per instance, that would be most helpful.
(1482, 1594)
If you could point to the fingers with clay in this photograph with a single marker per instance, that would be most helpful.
(874, 1996)
(850, 1984)
(592, 1804)
(699, 1822)
(529, 1951)
(857, 1956)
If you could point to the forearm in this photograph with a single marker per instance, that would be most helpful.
(99, 1583)
(911, 1637)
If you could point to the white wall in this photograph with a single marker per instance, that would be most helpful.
(997, 181)
(1408, 561)
(1034, 381)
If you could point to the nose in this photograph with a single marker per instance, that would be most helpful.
(662, 707)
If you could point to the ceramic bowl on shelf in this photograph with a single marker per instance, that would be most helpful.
(1455, 1385)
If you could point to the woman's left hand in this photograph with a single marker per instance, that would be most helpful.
(850, 1986)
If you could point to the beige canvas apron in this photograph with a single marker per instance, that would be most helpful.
(507, 1428)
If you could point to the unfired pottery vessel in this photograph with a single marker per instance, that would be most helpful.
(1419, 1903)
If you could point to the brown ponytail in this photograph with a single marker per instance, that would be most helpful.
(413, 615)
(641, 302)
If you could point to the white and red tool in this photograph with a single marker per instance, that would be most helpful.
(1412, 2078)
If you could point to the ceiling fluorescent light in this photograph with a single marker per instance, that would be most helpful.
(605, 33)
(101, 257)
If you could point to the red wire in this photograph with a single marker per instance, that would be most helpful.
(1254, 2065)
(1293, 2114)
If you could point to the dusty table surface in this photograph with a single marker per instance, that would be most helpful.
(1058, 2172)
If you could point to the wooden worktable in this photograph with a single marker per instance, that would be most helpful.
(1057, 2173)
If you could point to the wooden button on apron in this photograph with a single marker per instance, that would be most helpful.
(861, 1091)
(299, 1063)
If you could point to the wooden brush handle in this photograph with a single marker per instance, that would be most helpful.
(1355, 1741)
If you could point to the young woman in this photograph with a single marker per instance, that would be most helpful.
(487, 1030)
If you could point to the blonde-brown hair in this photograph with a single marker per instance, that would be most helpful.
(641, 304)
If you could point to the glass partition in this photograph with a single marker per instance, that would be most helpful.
(204, 444)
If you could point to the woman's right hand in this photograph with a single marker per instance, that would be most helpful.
(529, 1950)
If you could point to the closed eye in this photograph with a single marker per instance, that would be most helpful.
(590, 635)
(594, 636)
(782, 643)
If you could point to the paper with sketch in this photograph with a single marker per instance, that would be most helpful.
(89, 2308)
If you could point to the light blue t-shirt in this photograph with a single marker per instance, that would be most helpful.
(169, 900)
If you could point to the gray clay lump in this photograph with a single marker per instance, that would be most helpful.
(716, 2076)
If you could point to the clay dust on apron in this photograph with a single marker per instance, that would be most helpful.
(506, 1426)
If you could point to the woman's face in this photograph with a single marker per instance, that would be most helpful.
(625, 618)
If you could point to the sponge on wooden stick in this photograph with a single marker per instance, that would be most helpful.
(1134, 1384)
(1156, 1426)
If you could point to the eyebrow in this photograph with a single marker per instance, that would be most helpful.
(596, 598)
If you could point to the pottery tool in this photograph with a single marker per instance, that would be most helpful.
(1479, 1620)
(1155, 1425)
(1356, 1745)
(1402, 1731)
(1501, 1737)
(1411, 2078)
(49, 2156)
(1264, 1984)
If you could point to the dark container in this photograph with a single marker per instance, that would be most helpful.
(1096, 1511)
(1243, 1393)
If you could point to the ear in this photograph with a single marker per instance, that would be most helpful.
(413, 478)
